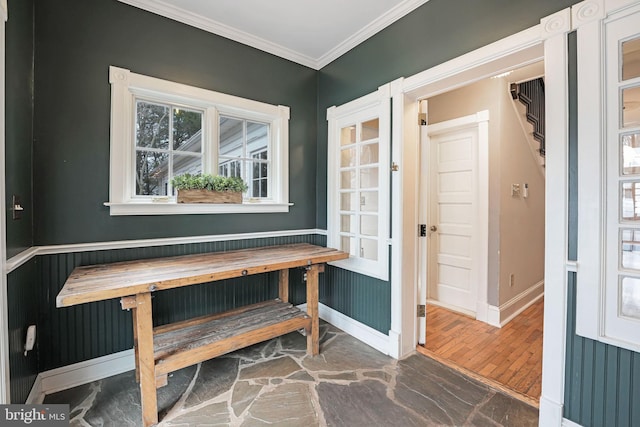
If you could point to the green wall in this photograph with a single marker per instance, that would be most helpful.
(75, 43)
(22, 286)
(22, 294)
(602, 382)
(19, 122)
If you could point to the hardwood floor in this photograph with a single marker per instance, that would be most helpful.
(510, 356)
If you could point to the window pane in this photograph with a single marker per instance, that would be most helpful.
(257, 138)
(631, 107)
(369, 225)
(152, 175)
(369, 249)
(348, 201)
(631, 59)
(230, 168)
(348, 223)
(231, 137)
(370, 129)
(348, 157)
(369, 178)
(263, 188)
(369, 201)
(259, 174)
(369, 154)
(348, 244)
(630, 248)
(631, 200)
(348, 179)
(630, 297)
(186, 164)
(630, 153)
(187, 130)
(152, 125)
(348, 135)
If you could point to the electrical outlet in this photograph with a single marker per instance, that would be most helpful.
(515, 190)
(511, 279)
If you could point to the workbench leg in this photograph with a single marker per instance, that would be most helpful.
(313, 337)
(283, 285)
(135, 342)
(146, 363)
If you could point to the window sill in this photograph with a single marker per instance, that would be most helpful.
(362, 266)
(173, 208)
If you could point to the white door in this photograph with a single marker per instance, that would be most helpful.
(456, 212)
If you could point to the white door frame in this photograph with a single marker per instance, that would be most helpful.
(546, 41)
(5, 386)
(479, 251)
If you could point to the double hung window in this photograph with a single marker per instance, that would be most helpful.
(161, 129)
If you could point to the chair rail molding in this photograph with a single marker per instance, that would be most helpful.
(23, 257)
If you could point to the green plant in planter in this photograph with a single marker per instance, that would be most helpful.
(209, 182)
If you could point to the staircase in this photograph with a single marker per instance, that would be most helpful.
(531, 95)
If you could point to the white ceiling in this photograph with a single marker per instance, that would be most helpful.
(309, 32)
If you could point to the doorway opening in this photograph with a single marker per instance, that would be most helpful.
(483, 258)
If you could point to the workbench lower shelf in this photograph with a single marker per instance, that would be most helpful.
(171, 347)
(186, 343)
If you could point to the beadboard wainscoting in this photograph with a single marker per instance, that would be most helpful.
(73, 342)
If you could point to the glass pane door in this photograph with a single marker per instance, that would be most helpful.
(359, 182)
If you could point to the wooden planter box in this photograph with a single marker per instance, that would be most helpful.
(208, 196)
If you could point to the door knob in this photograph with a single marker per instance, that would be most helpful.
(433, 228)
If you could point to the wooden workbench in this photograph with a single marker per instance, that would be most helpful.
(171, 347)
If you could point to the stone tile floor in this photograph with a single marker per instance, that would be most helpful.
(275, 383)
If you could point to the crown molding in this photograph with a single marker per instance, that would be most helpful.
(178, 14)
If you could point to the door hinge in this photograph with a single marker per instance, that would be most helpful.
(422, 230)
(422, 119)
(422, 310)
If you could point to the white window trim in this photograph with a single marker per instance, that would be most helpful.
(380, 102)
(126, 86)
(595, 224)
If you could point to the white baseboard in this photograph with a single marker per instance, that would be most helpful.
(106, 366)
(395, 345)
(358, 330)
(500, 316)
(80, 373)
(36, 395)
(493, 316)
(550, 413)
(482, 312)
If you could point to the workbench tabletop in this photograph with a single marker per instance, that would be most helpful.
(106, 281)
